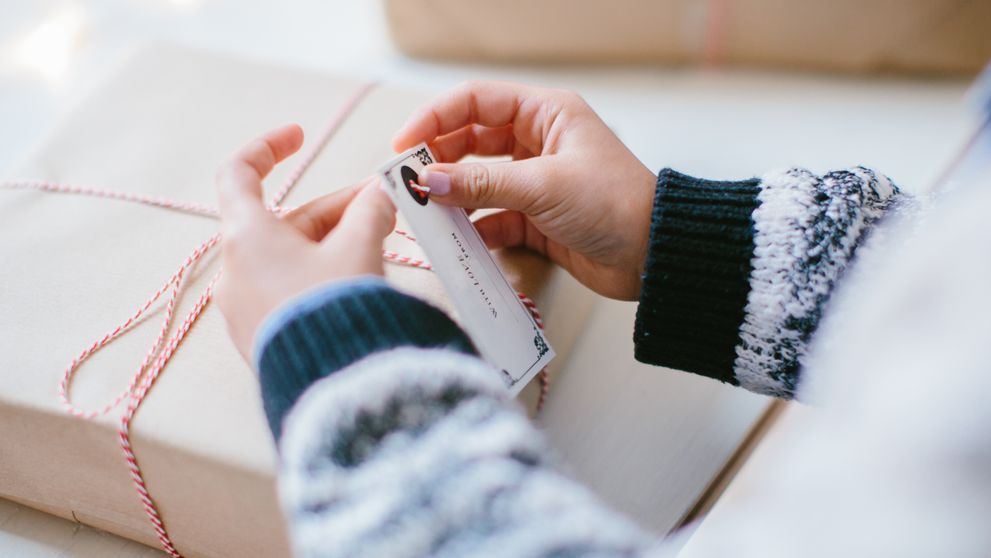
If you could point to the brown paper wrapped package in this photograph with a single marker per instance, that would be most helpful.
(915, 36)
(74, 267)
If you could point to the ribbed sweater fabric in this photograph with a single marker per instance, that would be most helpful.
(737, 274)
(696, 275)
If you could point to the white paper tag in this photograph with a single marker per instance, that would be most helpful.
(500, 326)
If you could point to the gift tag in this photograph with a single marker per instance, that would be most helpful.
(501, 327)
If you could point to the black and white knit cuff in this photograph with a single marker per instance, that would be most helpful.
(738, 273)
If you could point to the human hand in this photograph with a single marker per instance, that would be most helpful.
(572, 192)
(269, 259)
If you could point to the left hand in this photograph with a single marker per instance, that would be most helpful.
(269, 259)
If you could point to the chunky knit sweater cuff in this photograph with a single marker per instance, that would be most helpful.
(738, 273)
(333, 327)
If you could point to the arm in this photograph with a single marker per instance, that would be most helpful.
(398, 441)
(732, 277)
(392, 419)
(738, 274)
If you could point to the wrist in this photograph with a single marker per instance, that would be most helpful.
(642, 213)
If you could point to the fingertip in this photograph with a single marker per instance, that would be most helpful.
(489, 231)
(502, 230)
(388, 199)
(437, 179)
(391, 221)
(399, 141)
(419, 127)
(404, 140)
(498, 230)
(377, 201)
(284, 141)
(382, 197)
(384, 201)
(296, 135)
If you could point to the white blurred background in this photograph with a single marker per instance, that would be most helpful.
(714, 123)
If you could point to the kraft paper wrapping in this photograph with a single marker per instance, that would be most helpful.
(74, 267)
(905, 36)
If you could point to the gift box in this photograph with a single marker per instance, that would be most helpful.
(915, 36)
(75, 267)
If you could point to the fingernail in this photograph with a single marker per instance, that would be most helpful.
(438, 182)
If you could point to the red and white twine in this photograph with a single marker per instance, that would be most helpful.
(164, 346)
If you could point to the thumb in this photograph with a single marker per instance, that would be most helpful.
(504, 185)
(368, 219)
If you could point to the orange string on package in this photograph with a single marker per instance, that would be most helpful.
(164, 346)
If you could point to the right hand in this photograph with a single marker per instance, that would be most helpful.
(572, 192)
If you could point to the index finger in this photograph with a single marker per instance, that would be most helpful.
(239, 180)
(488, 103)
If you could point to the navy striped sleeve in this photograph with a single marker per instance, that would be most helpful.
(335, 326)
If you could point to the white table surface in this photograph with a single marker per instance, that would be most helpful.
(713, 123)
